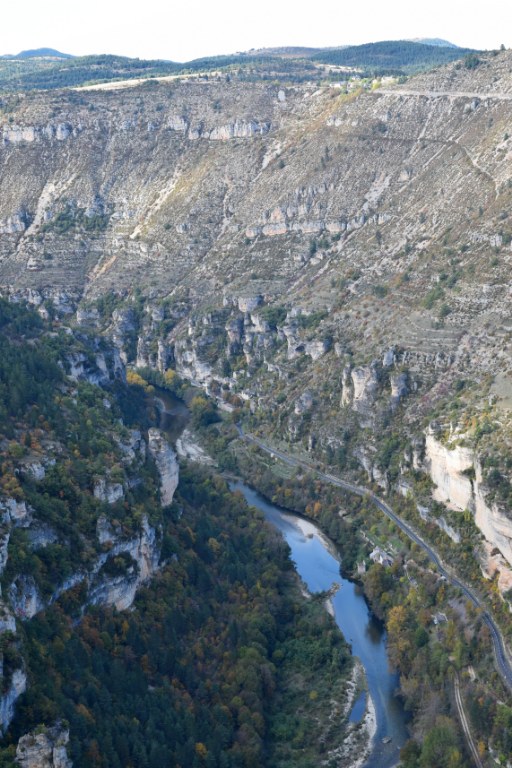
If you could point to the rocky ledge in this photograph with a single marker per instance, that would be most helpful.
(44, 749)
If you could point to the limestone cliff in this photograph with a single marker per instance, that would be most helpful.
(46, 748)
(8, 699)
(449, 470)
(459, 483)
(167, 464)
(102, 589)
(270, 242)
(120, 591)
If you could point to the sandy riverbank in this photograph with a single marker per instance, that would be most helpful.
(187, 448)
(358, 737)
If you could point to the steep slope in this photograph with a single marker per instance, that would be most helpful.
(89, 528)
(336, 261)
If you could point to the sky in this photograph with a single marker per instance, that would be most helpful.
(181, 31)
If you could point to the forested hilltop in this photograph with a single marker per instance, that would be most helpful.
(403, 57)
(399, 57)
(218, 631)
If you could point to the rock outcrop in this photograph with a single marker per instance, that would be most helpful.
(167, 464)
(143, 551)
(303, 404)
(46, 748)
(108, 492)
(365, 384)
(449, 470)
(459, 483)
(24, 597)
(399, 386)
(8, 699)
(494, 523)
(120, 591)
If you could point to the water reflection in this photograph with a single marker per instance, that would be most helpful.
(173, 414)
(318, 565)
(358, 709)
(374, 630)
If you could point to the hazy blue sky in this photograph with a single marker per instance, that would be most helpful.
(186, 30)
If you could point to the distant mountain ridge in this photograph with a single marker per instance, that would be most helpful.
(47, 68)
(38, 53)
(433, 41)
(395, 56)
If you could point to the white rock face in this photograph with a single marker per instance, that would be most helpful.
(191, 367)
(167, 464)
(316, 349)
(260, 325)
(304, 403)
(494, 566)
(123, 323)
(494, 524)
(177, 123)
(239, 129)
(188, 449)
(346, 386)
(12, 225)
(134, 448)
(15, 512)
(63, 131)
(448, 529)
(446, 468)
(4, 545)
(148, 554)
(87, 316)
(365, 383)
(44, 750)
(104, 531)
(109, 492)
(8, 700)
(28, 134)
(16, 134)
(399, 388)
(249, 303)
(366, 459)
(455, 489)
(24, 597)
(35, 469)
(143, 358)
(296, 346)
(80, 369)
(120, 591)
(389, 358)
(163, 356)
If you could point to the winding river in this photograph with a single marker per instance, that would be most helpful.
(318, 565)
(173, 414)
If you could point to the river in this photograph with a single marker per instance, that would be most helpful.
(173, 414)
(318, 565)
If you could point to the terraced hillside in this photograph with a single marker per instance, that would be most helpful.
(336, 261)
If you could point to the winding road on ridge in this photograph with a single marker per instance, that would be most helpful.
(502, 662)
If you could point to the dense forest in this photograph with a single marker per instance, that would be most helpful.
(396, 56)
(407, 596)
(43, 74)
(189, 676)
(215, 662)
